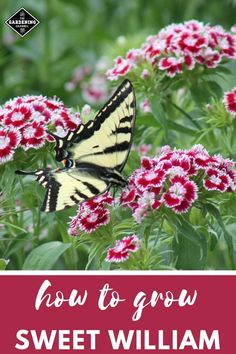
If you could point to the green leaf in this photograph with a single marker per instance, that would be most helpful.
(215, 88)
(211, 209)
(189, 255)
(190, 247)
(201, 93)
(45, 256)
(148, 121)
(224, 70)
(158, 112)
(14, 226)
(3, 263)
(188, 231)
(181, 128)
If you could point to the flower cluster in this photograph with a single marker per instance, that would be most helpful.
(178, 47)
(230, 102)
(173, 179)
(95, 91)
(91, 214)
(24, 122)
(91, 81)
(78, 75)
(122, 249)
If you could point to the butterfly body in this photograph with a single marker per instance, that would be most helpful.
(93, 155)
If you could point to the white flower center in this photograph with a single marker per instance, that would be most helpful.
(120, 247)
(150, 176)
(38, 117)
(92, 218)
(190, 41)
(29, 132)
(4, 142)
(17, 116)
(215, 179)
(177, 190)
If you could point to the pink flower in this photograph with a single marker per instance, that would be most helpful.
(230, 102)
(33, 136)
(96, 90)
(90, 220)
(233, 29)
(181, 194)
(147, 201)
(31, 116)
(17, 117)
(172, 65)
(152, 178)
(122, 66)
(144, 149)
(9, 140)
(101, 199)
(145, 74)
(74, 225)
(179, 47)
(169, 180)
(189, 61)
(86, 110)
(122, 249)
(69, 120)
(91, 214)
(78, 75)
(133, 56)
(211, 58)
(217, 180)
(127, 196)
(145, 106)
(191, 41)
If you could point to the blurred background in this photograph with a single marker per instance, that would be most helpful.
(74, 34)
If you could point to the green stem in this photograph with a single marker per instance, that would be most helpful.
(186, 115)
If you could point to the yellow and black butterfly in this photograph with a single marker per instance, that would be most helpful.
(93, 155)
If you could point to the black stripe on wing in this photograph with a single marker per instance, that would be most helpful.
(86, 131)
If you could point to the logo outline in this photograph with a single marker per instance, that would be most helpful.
(29, 29)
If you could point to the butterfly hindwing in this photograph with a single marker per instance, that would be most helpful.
(68, 188)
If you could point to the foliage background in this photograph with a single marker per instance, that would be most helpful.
(70, 34)
(77, 32)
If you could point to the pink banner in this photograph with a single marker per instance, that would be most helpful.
(117, 313)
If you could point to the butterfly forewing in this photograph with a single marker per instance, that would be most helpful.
(106, 141)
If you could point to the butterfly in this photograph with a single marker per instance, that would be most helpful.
(93, 155)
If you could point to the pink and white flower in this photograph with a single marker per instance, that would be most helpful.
(145, 106)
(181, 194)
(33, 136)
(169, 180)
(216, 180)
(122, 66)
(9, 140)
(230, 102)
(179, 47)
(91, 214)
(90, 220)
(30, 117)
(150, 178)
(172, 65)
(122, 249)
(95, 91)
